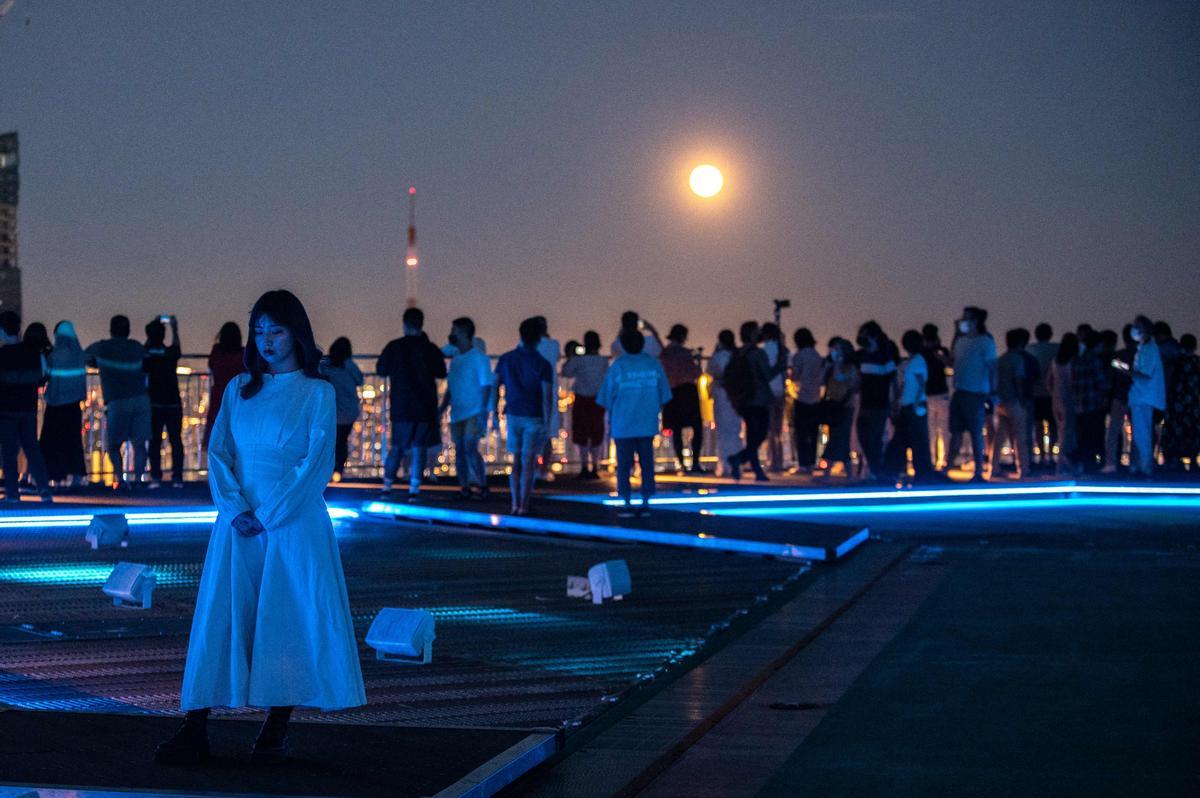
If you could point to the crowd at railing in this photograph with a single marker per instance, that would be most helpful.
(1064, 405)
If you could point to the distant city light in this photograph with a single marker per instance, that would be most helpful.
(411, 261)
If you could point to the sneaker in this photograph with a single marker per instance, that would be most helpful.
(177, 484)
(153, 484)
(188, 746)
(47, 497)
(626, 511)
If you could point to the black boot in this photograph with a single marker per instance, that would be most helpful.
(271, 747)
(189, 745)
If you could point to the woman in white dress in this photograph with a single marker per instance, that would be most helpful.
(726, 419)
(272, 626)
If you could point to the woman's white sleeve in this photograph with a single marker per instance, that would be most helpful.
(310, 476)
(222, 479)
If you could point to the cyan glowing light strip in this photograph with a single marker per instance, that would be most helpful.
(135, 518)
(1144, 502)
(545, 526)
(788, 496)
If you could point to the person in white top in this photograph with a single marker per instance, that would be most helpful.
(725, 416)
(468, 396)
(911, 414)
(631, 321)
(1147, 394)
(586, 370)
(776, 349)
(272, 625)
(808, 375)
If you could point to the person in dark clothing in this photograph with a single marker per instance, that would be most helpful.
(526, 379)
(1090, 390)
(413, 365)
(1119, 381)
(748, 382)
(21, 374)
(62, 420)
(166, 409)
(1045, 421)
(937, 360)
(683, 411)
(1168, 350)
(1181, 431)
(877, 367)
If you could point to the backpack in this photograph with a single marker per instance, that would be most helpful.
(738, 380)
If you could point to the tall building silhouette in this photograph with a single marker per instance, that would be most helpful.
(10, 184)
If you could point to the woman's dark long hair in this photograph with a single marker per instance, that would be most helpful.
(37, 338)
(340, 351)
(229, 339)
(1068, 350)
(287, 311)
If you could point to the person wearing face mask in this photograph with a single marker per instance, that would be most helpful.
(837, 405)
(975, 382)
(1147, 393)
(468, 397)
(272, 625)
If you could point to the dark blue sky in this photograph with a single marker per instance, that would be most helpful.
(888, 160)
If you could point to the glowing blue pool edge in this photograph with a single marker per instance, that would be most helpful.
(788, 496)
(544, 526)
(134, 517)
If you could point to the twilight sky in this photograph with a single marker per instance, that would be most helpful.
(887, 160)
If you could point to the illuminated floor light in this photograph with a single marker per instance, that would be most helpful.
(1144, 502)
(908, 494)
(545, 526)
(136, 517)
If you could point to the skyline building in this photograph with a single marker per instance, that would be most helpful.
(10, 184)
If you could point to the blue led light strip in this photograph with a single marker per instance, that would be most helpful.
(787, 496)
(1127, 502)
(135, 518)
(545, 526)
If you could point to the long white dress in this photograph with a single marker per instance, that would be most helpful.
(729, 423)
(272, 624)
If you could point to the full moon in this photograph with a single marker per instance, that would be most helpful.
(706, 180)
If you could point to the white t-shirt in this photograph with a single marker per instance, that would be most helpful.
(469, 377)
(914, 376)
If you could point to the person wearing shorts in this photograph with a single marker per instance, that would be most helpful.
(126, 400)
(527, 380)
